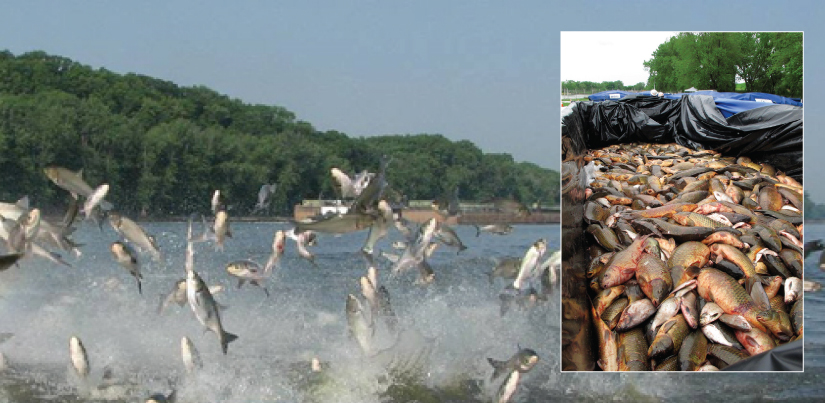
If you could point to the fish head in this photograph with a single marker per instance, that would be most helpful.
(659, 291)
(75, 344)
(52, 172)
(710, 312)
(385, 209)
(610, 278)
(280, 240)
(353, 305)
(117, 248)
(793, 286)
(427, 278)
(777, 324)
(33, 216)
(651, 246)
(234, 269)
(527, 359)
(114, 219)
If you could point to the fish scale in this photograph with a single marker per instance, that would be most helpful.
(730, 355)
(633, 351)
(705, 221)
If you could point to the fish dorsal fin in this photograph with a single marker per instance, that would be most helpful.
(108, 373)
(499, 367)
(23, 203)
(760, 296)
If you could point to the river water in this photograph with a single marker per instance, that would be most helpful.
(458, 316)
(42, 305)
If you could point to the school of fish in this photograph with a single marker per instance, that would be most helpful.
(26, 234)
(695, 257)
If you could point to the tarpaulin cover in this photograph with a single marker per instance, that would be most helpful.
(746, 96)
(787, 357)
(616, 94)
(729, 103)
(771, 134)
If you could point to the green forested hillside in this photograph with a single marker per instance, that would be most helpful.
(164, 148)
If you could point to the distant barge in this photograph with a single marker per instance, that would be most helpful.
(421, 210)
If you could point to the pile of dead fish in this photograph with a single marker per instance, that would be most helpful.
(696, 258)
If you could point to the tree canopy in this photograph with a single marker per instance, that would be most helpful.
(768, 62)
(589, 87)
(164, 148)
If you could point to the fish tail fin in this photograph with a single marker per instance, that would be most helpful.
(478, 230)
(140, 287)
(227, 338)
(499, 367)
(461, 248)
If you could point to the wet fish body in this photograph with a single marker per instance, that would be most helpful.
(529, 262)
(79, 358)
(127, 257)
(189, 354)
(360, 328)
(498, 229)
(206, 309)
(135, 234)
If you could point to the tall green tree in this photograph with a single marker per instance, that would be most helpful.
(164, 149)
(766, 62)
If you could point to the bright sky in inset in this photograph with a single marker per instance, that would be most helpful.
(608, 55)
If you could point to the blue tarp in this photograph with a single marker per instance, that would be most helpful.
(729, 103)
(616, 94)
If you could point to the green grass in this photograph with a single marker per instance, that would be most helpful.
(568, 101)
(740, 87)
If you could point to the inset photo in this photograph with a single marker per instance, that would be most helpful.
(682, 230)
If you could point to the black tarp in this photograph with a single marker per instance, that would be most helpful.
(787, 357)
(772, 134)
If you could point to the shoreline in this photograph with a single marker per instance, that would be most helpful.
(284, 220)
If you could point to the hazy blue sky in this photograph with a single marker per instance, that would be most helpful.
(483, 71)
(468, 70)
